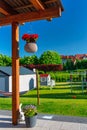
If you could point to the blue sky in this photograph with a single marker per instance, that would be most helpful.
(67, 34)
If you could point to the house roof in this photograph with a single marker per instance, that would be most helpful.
(77, 56)
(28, 10)
(8, 70)
(44, 75)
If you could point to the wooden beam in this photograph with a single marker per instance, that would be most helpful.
(3, 11)
(49, 19)
(6, 9)
(60, 11)
(37, 4)
(33, 16)
(38, 95)
(15, 73)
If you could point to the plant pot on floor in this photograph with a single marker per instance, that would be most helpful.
(30, 121)
(30, 113)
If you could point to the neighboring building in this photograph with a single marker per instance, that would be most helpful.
(27, 79)
(73, 58)
(81, 56)
(65, 58)
(45, 79)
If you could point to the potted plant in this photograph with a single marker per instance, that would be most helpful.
(30, 113)
(30, 39)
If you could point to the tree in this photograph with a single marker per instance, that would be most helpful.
(78, 64)
(69, 65)
(34, 60)
(84, 64)
(29, 60)
(5, 60)
(1, 60)
(50, 57)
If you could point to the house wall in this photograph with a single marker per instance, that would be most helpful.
(10, 83)
(4, 82)
(48, 80)
(26, 82)
(45, 80)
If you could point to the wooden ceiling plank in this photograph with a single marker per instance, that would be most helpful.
(37, 4)
(6, 9)
(24, 6)
(33, 16)
(51, 1)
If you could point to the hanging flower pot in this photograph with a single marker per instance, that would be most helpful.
(30, 45)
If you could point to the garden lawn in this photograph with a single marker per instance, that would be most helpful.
(59, 101)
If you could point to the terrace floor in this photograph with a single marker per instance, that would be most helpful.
(45, 122)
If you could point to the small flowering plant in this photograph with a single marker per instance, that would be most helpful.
(30, 37)
(30, 110)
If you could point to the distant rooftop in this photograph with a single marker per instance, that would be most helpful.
(77, 56)
(44, 75)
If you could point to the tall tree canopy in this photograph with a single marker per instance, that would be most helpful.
(29, 60)
(69, 65)
(5, 60)
(50, 57)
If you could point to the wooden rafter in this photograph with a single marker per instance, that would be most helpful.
(6, 9)
(37, 4)
(33, 16)
(3, 11)
(24, 6)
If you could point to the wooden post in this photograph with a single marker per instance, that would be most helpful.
(15, 72)
(38, 97)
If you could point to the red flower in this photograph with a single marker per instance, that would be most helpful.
(35, 36)
(25, 36)
(30, 37)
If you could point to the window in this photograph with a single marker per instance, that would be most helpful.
(43, 79)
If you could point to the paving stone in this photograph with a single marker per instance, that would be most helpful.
(54, 123)
(83, 126)
(70, 126)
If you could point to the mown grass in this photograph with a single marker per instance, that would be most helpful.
(58, 100)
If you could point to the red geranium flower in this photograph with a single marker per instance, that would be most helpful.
(30, 37)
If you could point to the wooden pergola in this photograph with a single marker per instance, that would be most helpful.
(16, 12)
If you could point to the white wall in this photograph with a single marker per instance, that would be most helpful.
(10, 84)
(24, 82)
